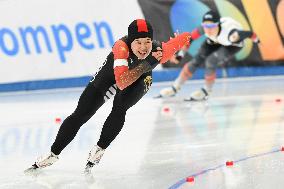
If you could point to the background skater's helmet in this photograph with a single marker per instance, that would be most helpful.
(211, 16)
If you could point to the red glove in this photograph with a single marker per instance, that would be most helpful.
(254, 38)
(173, 45)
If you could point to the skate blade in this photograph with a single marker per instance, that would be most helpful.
(190, 100)
(88, 169)
(88, 175)
(194, 100)
(33, 170)
(160, 96)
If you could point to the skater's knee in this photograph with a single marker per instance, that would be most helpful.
(121, 103)
(186, 72)
(192, 66)
(212, 61)
(79, 118)
(210, 67)
(120, 109)
(210, 76)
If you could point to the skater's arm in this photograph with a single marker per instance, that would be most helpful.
(123, 75)
(236, 36)
(196, 33)
(179, 55)
(173, 45)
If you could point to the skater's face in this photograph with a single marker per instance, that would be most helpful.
(141, 47)
(211, 29)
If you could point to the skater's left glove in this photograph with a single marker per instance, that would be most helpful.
(174, 45)
(236, 36)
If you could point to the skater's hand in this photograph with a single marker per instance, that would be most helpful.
(158, 54)
(174, 60)
(254, 38)
(234, 37)
(173, 45)
(175, 35)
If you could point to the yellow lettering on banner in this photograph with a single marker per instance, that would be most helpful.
(264, 25)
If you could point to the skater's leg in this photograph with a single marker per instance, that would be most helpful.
(90, 101)
(123, 100)
(189, 69)
(187, 72)
(220, 57)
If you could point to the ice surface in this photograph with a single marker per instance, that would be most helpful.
(163, 140)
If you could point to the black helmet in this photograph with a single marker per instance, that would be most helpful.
(139, 28)
(212, 16)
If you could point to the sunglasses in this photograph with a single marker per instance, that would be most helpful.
(209, 25)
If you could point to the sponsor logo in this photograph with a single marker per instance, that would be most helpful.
(148, 83)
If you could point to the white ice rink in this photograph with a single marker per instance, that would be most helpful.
(163, 142)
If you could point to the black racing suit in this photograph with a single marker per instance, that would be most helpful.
(212, 54)
(96, 93)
